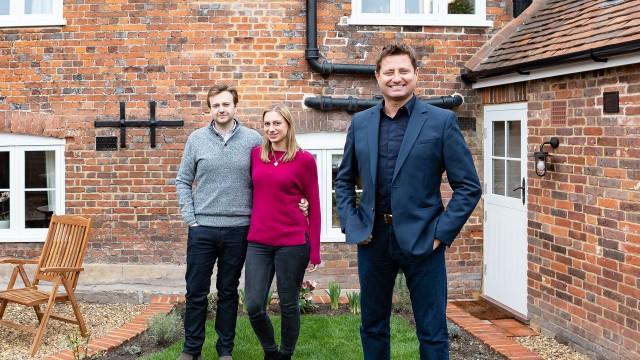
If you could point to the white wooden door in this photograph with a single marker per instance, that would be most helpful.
(505, 218)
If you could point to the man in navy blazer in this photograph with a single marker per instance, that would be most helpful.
(397, 152)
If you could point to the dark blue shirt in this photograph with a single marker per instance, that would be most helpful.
(389, 140)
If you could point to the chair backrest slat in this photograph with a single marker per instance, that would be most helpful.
(65, 246)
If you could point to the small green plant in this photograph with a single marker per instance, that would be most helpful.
(212, 303)
(402, 298)
(453, 329)
(79, 345)
(134, 350)
(305, 298)
(241, 300)
(354, 302)
(461, 7)
(164, 329)
(334, 294)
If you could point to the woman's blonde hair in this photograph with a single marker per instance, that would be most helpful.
(292, 144)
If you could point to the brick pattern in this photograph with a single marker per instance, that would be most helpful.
(57, 81)
(584, 215)
(490, 334)
(114, 338)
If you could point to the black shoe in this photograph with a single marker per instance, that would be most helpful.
(272, 355)
(285, 356)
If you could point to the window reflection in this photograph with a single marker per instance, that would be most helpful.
(4, 7)
(4, 190)
(461, 7)
(38, 6)
(376, 6)
(39, 199)
(335, 165)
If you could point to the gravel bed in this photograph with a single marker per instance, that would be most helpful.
(100, 318)
(549, 349)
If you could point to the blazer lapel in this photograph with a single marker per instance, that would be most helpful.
(373, 132)
(416, 121)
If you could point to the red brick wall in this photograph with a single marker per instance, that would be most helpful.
(584, 215)
(58, 81)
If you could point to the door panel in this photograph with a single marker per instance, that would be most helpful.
(505, 220)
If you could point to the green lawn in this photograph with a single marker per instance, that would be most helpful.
(321, 337)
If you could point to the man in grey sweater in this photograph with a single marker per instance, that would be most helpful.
(218, 211)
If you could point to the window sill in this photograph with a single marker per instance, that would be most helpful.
(471, 21)
(23, 236)
(37, 22)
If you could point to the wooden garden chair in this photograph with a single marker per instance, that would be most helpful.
(60, 264)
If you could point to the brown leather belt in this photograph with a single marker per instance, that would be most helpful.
(385, 218)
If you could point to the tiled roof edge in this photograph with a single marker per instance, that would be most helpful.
(502, 35)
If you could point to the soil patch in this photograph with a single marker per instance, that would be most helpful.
(462, 345)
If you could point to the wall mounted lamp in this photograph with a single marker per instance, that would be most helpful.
(541, 156)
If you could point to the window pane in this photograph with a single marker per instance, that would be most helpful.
(376, 6)
(514, 139)
(498, 177)
(4, 170)
(38, 208)
(335, 164)
(39, 169)
(498, 138)
(38, 6)
(413, 6)
(461, 7)
(4, 7)
(4, 210)
(514, 179)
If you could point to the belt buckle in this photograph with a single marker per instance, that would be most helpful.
(388, 218)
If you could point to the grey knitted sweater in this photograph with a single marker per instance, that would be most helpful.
(221, 174)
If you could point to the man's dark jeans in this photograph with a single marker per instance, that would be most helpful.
(289, 264)
(426, 276)
(205, 245)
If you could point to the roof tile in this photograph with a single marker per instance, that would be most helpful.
(552, 28)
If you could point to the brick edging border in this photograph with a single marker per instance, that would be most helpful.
(485, 331)
(490, 334)
(161, 304)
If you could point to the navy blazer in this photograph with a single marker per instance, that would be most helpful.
(432, 144)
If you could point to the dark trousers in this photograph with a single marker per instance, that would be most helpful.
(378, 264)
(289, 264)
(205, 245)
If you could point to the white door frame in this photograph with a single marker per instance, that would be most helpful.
(505, 260)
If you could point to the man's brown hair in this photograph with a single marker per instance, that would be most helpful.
(220, 88)
(397, 49)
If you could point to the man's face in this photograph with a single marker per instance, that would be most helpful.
(397, 78)
(222, 108)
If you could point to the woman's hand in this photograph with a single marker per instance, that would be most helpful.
(304, 206)
(312, 267)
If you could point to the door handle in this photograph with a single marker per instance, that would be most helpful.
(522, 189)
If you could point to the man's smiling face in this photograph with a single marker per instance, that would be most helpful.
(397, 78)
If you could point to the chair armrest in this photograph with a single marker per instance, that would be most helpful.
(61, 269)
(18, 261)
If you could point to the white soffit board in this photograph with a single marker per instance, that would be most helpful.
(558, 70)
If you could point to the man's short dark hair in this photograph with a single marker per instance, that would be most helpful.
(220, 88)
(397, 49)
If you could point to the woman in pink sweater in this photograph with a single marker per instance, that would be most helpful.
(282, 240)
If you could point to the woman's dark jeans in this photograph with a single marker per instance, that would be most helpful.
(288, 263)
(205, 245)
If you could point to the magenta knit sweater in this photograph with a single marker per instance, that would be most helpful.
(276, 219)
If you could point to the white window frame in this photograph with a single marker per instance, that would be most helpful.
(18, 18)
(323, 146)
(397, 16)
(17, 145)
